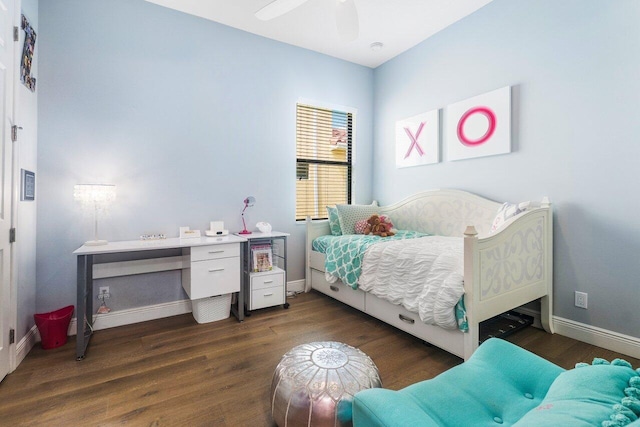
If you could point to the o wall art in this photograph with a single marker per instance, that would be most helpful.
(418, 140)
(479, 126)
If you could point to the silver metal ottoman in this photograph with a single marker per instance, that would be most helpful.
(314, 384)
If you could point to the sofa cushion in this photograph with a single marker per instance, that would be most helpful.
(585, 396)
(499, 384)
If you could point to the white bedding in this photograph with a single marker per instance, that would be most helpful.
(423, 275)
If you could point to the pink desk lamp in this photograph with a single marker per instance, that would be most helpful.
(248, 202)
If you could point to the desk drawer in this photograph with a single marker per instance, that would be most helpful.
(214, 277)
(199, 253)
(262, 280)
(266, 297)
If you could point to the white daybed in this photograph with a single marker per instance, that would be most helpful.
(502, 270)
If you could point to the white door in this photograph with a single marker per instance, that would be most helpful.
(6, 117)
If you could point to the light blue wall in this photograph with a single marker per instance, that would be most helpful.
(574, 68)
(187, 117)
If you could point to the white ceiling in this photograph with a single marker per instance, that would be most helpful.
(398, 24)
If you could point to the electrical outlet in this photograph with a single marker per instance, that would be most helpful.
(581, 299)
(104, 293)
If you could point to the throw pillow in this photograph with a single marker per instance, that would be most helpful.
(334, 221)
(509, 210)
(588, 395)
(350, 214)
(360, 226)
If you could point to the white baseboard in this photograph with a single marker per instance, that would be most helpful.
(25, 345)
(599, 337)
(151, 312)
(533, 313)
(296, 286)
(593, 335)
(135, 315)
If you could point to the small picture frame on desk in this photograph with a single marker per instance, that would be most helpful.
(262, 258)
(27, 185)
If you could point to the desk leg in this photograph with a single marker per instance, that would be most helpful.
(239, 310)
(84, 307)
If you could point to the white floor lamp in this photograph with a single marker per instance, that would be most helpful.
(96, 197)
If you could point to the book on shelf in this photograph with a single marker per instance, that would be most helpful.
(262, 257)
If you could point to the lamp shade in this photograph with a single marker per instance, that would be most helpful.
(96, 197)
(94, 193)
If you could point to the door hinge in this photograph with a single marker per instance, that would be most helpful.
(16, 34)
(12, 336)
(12, 235)
(14, 132)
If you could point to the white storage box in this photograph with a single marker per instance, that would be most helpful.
(210, 309)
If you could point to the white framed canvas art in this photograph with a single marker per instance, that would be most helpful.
(417, 140)
(479, 126)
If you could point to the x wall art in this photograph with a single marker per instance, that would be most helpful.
(479, 126)
(417, 140)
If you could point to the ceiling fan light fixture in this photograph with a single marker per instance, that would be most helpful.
(347, 20)
(277, 8)
(376, 46)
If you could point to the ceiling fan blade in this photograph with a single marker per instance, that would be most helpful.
(347, 20)
(277, 8)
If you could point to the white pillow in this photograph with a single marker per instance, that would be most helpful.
(509, 210)
(350, 214)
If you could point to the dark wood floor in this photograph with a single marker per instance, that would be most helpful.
(175, 372)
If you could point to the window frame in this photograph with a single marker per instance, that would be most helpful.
(320, 211)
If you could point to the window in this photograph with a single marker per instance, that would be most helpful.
(323, 160)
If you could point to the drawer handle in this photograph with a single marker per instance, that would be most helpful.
(269, 294)
(406, 319)
(334, 288)
(216, 252)
(212, 270)
(268, 281)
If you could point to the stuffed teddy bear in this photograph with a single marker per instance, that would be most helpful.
(377, 227)
(372, 222)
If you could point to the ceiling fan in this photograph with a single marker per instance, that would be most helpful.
(346, 15)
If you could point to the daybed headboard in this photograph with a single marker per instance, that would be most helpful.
(443, 212)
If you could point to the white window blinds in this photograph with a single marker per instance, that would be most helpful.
(323, 160)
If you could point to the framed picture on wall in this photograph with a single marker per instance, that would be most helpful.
(418, 140)
(479, 126)
(27, 185)
(27, 55)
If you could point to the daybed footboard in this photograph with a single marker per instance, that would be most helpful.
(508, 269)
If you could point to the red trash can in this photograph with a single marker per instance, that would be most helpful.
(53, 327)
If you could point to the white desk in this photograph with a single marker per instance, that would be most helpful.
(85, 274)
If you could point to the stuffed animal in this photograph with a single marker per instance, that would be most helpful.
(372, 222)
(386, 220)
(377, 227)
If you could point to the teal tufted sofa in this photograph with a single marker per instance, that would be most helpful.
(505, 385)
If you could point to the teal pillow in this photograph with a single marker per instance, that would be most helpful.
(350, 214)
(334, 221)
(589, 395)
